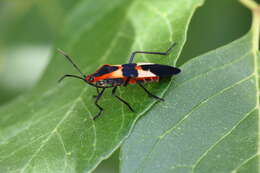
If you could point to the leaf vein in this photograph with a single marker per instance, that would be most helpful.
(34, 123)
(94, 132)
(245, 162)
(65, 151)
(22, 147)
(52, 132)
(214, 69)
(163, 16)
(222, 138)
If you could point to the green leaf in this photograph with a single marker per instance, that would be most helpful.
(210, 119)
(51, 129)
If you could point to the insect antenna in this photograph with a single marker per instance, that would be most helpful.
(70, 60)
(71, 76)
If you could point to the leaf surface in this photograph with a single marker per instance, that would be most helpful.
(210, 121)
(51, 129)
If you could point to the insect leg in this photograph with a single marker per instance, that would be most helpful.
(150, 94)
(96, 103)
(127, 104)
(154, 53)
(94, 96)
(126, 82)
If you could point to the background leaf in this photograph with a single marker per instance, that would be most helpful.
(219, 22)
(27, 32)
(210, 121)
(51, 127)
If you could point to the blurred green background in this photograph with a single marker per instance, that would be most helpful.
(28, 30)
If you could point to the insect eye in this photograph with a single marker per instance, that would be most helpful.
(91, 78)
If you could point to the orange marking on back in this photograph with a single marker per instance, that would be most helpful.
(115, 74)
(138, 67)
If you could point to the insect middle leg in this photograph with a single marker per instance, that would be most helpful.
(119, 98)
(148, 92)
(96, 103)
(154, 53)
(127, 81)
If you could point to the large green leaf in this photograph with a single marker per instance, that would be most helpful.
(51, 128)
(210, 121)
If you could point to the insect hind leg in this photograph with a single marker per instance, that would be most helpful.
(148, 92)
(153, 53)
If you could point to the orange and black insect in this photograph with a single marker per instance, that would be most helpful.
(113, 76)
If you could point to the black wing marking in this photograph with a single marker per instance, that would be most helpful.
(161, 70)
(104, 70)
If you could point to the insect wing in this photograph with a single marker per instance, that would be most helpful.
(157, 70)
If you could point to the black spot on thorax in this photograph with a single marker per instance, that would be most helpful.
(129, 70)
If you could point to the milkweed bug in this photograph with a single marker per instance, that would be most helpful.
(113, 76)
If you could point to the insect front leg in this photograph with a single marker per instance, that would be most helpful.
(96, 103)
(119, 98)
(148, 92)
(95, 96)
